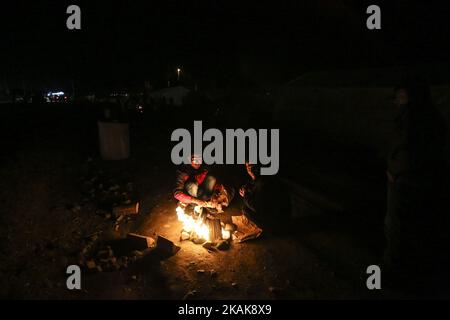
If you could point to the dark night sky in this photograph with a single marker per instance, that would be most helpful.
(219, 43)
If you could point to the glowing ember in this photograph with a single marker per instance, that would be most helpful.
(195, 226)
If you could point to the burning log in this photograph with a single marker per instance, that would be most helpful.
(201, 227)
(231, 227)
(215, 229)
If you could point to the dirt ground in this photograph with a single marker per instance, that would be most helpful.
(45, 218)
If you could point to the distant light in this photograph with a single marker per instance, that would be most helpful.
(59, 93)
(178, 70)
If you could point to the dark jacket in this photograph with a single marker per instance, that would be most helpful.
(269, 202)
(417, 144)
(252, 189)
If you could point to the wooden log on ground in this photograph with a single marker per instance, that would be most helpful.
(126, 210)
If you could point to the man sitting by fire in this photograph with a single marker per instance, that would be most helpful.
(266, 201)
(194, 185)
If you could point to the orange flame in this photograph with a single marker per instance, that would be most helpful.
(197, 226)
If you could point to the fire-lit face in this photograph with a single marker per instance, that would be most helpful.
(196, 161)
(401, 98)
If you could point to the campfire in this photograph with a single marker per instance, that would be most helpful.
(203, 225)
(200, 226)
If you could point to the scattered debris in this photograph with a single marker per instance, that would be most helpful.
(190, 294)
(103, 254)
(110, 252)
(166, 246)
(209, 246)
(108, 195)
(223, 245)
(137, 253)
(246, 229)
(126, 209)
(91, 264)
(103, 258)
(120, 218)
(90, 244)
(184, 236)
(198, 241)
(93, 236)
(276, 290)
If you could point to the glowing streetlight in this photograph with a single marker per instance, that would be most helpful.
(178, 74)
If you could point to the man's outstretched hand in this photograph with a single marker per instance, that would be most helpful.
(200, 203)
(206, 204)
(242, 191)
